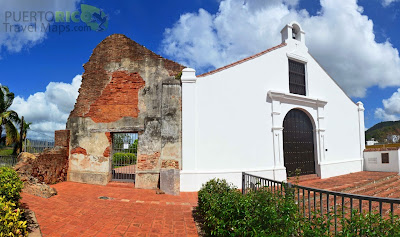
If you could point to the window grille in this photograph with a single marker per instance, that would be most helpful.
(297, 78)
(385, 158)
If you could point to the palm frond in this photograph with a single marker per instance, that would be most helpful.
(2, 100)
(6, 98)
(11, 116)
(12, 134)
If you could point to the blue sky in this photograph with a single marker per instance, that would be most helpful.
(365, 34)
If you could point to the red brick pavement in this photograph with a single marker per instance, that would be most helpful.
(78, 211)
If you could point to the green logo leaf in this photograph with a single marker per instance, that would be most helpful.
(94, 17)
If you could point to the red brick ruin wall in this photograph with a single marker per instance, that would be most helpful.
(108, 101)
(50, 166)
(95, 78)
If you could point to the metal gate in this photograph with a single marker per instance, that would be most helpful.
(298, 143)
(124, 156)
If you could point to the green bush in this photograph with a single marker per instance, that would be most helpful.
(227, 212)
(10, 185)
(361, 224)
(124, 158)
(11, 219)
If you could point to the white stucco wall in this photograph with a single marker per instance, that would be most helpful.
(231, 124)
(373, 161)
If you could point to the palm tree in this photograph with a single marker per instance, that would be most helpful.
(8, 118)
(25, 129)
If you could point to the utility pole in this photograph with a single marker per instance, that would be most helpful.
(20, 134)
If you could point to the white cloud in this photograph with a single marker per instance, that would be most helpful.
(48, 111)
(386, 3)
(384, 116)
(391, 108)
(16, 41)
(392, 105)
(340, 37)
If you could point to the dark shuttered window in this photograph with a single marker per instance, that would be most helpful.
(385, 158)
(297, 78)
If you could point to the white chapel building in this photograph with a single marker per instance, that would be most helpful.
(268, 114)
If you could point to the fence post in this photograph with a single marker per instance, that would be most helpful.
(21, 132)
(243, 183)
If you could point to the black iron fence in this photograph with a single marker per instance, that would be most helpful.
(124, 153)
(313, 201)
(8, 161)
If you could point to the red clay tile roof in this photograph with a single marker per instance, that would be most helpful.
(242, 61)
(382, 149)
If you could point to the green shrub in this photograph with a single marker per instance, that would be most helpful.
(370, 224)
(10, 185)
(11, 220)
(124, 158)
(227, 212)
(218, 203)
(365, 224)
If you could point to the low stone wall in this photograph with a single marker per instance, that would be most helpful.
(51, 166)
(48, 167)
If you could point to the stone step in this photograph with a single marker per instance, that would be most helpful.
(389, 190)
(303, 178)
(375, 187)
(369, 184)
(120, 184)
(364, 183)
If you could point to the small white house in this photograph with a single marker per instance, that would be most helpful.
(269, 114)
(382, 159)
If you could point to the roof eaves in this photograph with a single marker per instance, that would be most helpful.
(242, 60)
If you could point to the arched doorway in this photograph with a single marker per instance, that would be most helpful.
(298, 143)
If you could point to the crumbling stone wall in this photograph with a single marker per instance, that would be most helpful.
(126, 88)
(51, 165)
(61, 138)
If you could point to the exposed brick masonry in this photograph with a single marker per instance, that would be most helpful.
(148, 162)
(170, 164)
(62, 138)
(114, 48)
(107, 152)
(49, 167)
(119, 99)
(79, 150)
(126, 88)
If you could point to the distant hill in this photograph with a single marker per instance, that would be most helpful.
(381, 130)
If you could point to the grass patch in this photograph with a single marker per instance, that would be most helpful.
(6, 152)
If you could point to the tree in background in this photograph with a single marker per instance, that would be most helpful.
(25, 129)
(8, 118)
(25, 126)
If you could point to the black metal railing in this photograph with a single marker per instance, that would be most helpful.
(313, 201)
(124, 153)
(8, 161)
